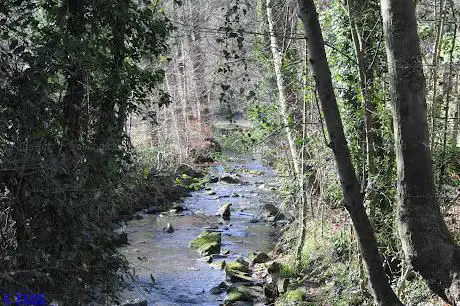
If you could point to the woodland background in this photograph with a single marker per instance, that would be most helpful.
(97, 98)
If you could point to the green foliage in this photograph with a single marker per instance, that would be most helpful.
(416, 292)
(191, 183)
(293, 297)
(71, 73)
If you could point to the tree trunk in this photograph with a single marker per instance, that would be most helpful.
(426, 241)
(353, 198)
(436, 55)
(75, 93)
(447, 92)
(355, 9)
(277, 63)
(457, 114)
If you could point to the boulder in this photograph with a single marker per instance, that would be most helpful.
(120, 239)
(274, 267)
(138, 217)
(216, 290)
(168, 228)
(213, 179)
(178, 208)
(238, 271)
(207, 243)
(271, 213)
(221, 288)
(282, 285)
(224, 211)
(270, 292)
(209, 249)
(257, 258)
(234, 296)
(229, 179)
(237, 266)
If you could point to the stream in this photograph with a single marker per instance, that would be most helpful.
(180, 277)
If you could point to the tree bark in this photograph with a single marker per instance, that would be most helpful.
(353, 198)
(277, 63)
(73, 99)
(436, 55)
(358, 11)
(447, 92)
(426, 241)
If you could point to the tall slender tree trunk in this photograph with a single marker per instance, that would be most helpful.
(353, 198)
(174, 119)
(73, 99)
(447, 91)
(426, 241)
(457, 114)
(277, 63)
(361, 46)
(199, 59)
(436, 55)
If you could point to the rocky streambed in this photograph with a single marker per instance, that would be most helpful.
(238, 221)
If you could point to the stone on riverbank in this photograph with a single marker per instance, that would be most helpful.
(229, 179)
(238, 271)
(282, 284)
(234, 296)
(120, 239)
(257, 258)
(168, 228)
(209, 249)
(178, 208)
(224, 211)
(271, 213)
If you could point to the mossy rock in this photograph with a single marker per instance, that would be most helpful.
(234, 296)
(229, 179)
(238, 271)
(206, 238)
(207, 243)
(237, 266)
(256, 258)
(209, 249)
(293, 297)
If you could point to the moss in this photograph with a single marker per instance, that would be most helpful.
(234, 296)
(287, 270)
(236, 266)
(296, 295)
(209, 249)
(206, 238)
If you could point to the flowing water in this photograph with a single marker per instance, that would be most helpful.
(180, 277)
